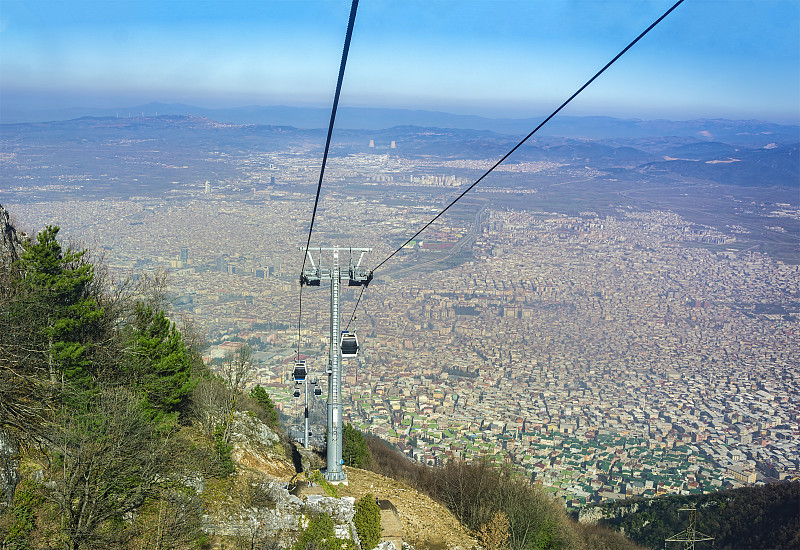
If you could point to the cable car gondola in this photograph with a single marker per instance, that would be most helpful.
(299, 373)
(317, 391)
(296, 393)
(349, 344)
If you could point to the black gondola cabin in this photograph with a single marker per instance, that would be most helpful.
(349, 344)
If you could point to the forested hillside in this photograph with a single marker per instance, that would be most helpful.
(749, 518)
(107, 412)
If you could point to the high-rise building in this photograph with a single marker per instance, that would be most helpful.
(185, 255)
(222, 264)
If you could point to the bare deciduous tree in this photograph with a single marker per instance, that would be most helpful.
(237, 371)
(494, 534)
(172, 521)
(107, 462)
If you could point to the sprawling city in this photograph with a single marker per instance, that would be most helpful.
(603, 349)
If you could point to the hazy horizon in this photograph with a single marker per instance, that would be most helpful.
(62, 113)
(732, 60)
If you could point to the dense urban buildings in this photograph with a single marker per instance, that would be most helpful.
(601, 355)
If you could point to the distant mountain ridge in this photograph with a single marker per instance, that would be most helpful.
(742, 132)
(761, 163)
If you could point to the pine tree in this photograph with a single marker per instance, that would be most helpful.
(261, 397)
(158, 365)
(56, 309)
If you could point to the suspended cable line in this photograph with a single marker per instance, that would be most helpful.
(342, 65)
(353, 316)
(545, 121)
(518, 145)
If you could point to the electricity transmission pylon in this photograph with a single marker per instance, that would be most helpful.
(355, 276)
(690, 535)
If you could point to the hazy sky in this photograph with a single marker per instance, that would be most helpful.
(710, 58)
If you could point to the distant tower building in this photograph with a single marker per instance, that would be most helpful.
(185, 255)
(393, 145)
(272, 180)
(372, 143)
(208, 187)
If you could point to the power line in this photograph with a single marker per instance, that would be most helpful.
(342, 65)
(545, 121)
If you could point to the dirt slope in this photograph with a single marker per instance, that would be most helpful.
(426, 523)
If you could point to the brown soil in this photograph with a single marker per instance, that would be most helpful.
(426, 523)
(277, 467)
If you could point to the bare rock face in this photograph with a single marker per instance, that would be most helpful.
(9, 469)
(341, 510)
(10, 249)
(10, 241)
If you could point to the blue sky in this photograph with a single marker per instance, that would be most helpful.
(710, 58)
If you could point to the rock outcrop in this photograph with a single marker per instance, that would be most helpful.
(10, 249)
(9, 469)
(10, 241)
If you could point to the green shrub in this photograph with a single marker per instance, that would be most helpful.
(270, 416)
(223, 449)
(330, 490)
(368, 522)
(26, 501)
(320, 535)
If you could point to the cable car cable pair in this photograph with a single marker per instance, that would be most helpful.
(518, 145)
(468, 189)
(342, 65)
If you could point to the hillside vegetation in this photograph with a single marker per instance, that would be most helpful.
(108, 416)
(767, 516)
(500, 509)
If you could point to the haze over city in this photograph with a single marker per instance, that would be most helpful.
(518, 59)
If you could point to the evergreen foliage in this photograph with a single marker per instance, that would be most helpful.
(26, 501)
(158, 364)
(56, 307)
(260, 396)
(91, 387)
(320, 535)
(367, 520)
(765, 516)
(223, 449)
(354, 447)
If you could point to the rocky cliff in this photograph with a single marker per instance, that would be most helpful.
(10, 240)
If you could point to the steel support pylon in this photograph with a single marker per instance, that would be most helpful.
(334, 470)
(305, 414)
(356, 276)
